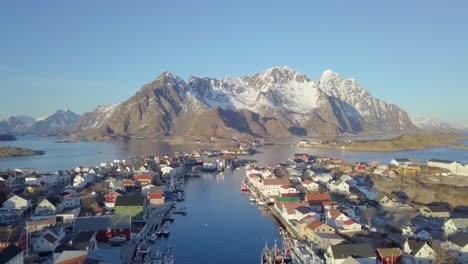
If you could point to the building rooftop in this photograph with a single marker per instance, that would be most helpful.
(130, 200)
(9, 253)
(102, 222)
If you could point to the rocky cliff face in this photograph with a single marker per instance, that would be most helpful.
(60, 122)
(277, 102)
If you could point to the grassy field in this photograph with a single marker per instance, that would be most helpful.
(7, 151)
(425, 188)
(400, 143)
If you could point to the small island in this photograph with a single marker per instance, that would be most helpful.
(418, 141)
(8, 151)
(7, 137)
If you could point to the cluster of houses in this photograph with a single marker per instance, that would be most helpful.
(68, 215)
(332, 206)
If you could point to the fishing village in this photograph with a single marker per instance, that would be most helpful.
(367, 212)
(116, 212)
(327, 211)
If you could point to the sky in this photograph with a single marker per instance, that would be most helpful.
(80, 54)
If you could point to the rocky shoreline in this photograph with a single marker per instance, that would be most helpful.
(8, 151)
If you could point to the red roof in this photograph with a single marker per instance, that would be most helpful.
(307, 182)
(156, 196)
(285, 187)
(349, 222)
(288, 194)
(318, 197)
(142, 177)
(51, 239)
(252, 175)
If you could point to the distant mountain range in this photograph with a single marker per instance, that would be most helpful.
(431, 124)
(277, 102)
(60, 122)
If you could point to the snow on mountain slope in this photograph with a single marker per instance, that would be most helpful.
(430, 124)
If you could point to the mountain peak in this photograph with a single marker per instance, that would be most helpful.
(329, 74)
(279, 75)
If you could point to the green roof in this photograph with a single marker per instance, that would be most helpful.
(288, 199)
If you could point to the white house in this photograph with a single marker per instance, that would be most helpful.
(71, 201)
(17, 202)
(48, 206)
(362, 253)
(48, 241)
(338, 186)
(322, 178)
(417, 251)
(401, 162)
(272, 187)
(459, 244)
(455, 225)
(79, 182)
(310, 185)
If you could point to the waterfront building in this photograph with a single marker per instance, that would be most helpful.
(105, 226)
(363, 253)
(134, 205)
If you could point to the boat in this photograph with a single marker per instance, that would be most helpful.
(153, 237)
(143, 249)
(158, 232)
(147, 260)
(157, 258)
(118, 239)
(244, 188)
(165, 230)
(168, 258)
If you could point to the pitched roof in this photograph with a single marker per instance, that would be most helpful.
(130, 200)
(102, 222)
(385, 252)
(49, 238)
(334, 213)
(459, 239)
(9, 253)
(402, 160)
(77, 241)
(318, 197)
(279, 181)
(442, 161)
(344, 251)
(303, 209)
(315, 224)
(460, 222)
(415, 245)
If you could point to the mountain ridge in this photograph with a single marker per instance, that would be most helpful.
(273, 103)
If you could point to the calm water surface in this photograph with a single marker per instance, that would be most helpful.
(221, 225)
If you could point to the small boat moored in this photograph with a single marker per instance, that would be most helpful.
(117, 239)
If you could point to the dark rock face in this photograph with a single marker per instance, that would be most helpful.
(278, 102)
(7, 137)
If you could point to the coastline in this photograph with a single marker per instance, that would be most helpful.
(400, 143)
(8, 151)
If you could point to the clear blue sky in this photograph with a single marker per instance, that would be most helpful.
(79, 54)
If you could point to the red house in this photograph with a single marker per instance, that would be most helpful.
(388, 255)
(105, 226)
(143, 179)
(112, 196)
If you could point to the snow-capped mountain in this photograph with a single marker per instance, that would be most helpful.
(13, 124)
(62, 121)
(276, 102)
(430, 124)
(94, 119)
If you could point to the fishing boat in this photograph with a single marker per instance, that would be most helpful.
(153, 237)
(158, 232)
(157, 258)
(118, 239)
(244, 188)
(168, 258)
(143, 249)
(165, 230)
